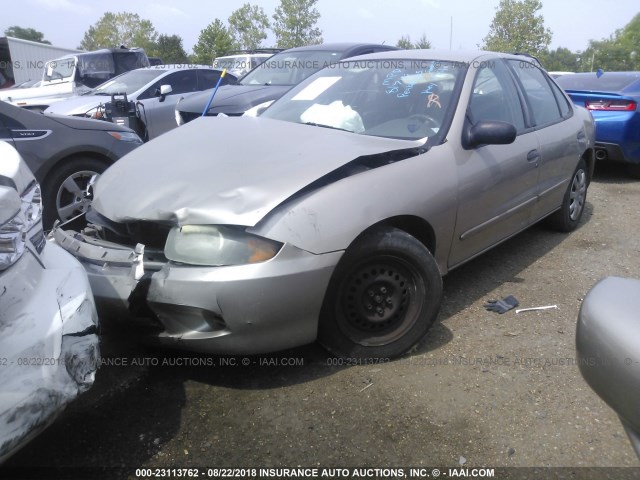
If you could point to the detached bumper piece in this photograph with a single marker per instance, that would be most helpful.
(240, 309)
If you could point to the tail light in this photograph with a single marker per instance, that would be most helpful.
(612, 105)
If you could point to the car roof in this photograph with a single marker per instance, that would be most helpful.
(237, 55)
(601, 82)
(101, 51)
(463, 56)
(177, 66)
(340, 47)
(609, 74)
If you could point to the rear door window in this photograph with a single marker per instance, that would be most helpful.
(537, 89)
(563, 103)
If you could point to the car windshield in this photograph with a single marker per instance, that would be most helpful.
(404, 99)
(59, 69)
(592, 83)
(290, 68)
(128, 82)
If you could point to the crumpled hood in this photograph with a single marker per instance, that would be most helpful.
(78, 105)
(233, 98)
(226, 170)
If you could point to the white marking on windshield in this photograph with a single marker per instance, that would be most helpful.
(315, 88)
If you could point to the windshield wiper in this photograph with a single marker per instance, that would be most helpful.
(100, 93)
(328, 126)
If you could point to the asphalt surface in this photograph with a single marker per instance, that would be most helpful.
(483, 389)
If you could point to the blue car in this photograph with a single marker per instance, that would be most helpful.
(613, 99)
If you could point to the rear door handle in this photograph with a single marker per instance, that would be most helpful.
(533, 157)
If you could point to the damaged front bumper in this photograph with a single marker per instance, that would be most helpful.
(243, 309)
(48, 342)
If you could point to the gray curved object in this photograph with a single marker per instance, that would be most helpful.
(608, 347)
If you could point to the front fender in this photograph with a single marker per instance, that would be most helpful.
(331, 217)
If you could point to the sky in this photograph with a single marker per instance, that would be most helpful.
(459, 24)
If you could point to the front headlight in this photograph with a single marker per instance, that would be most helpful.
(32, 205)
(217, 245)
(126, 136)
(12, 241)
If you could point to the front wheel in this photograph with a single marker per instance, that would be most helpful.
(383, 297)
(568, 217)
(65, 193)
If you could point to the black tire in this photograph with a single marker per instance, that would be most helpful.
(383, 297)
(59, 201)
(568, 217)
(633, 170)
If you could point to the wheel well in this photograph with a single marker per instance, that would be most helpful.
(589, 157)
(61, 161)
(414, 226)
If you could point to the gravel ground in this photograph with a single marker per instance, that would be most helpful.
(482, 390)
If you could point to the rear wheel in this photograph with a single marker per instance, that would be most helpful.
(568, 217)
(383, 297)
(65, 190)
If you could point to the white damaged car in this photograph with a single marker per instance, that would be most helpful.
(48, 322)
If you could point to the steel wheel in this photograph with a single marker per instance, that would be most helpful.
(383, 297)
(379, 300)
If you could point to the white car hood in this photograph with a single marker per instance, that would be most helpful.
(78, 105)
(16, 94)
(226, 170)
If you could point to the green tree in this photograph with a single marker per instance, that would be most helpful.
(422, 42)
(621, 51)
(629, 36)
(517, 27)
(294, 23)
(169, 48)
(560, 60)
(214, 41)
(407, 44)
(26, 34)
(609, 55)
(116, 29)
(248, 26)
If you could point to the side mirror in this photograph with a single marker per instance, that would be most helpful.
(488, 133)
(163, 91)
(608, 348)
